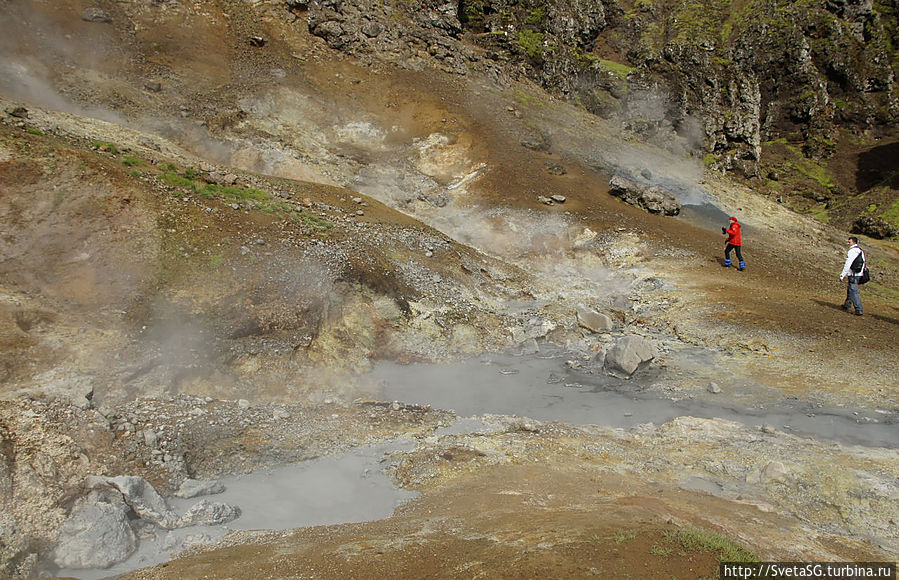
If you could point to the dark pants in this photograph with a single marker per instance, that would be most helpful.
(852, 294)
(730, 247)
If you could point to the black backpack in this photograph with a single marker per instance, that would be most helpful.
(859, 268)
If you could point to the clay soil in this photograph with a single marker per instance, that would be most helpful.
(518, 521)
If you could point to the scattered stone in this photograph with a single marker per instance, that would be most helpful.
(545, 200)
(153, 86)
(257, 41)
(297, 5)
(94, 14)
(194, 487)
(209, 513)
(145, 500)
(243, 404)
(592, 320)
(536, 143)
(554, 168)
(714, 388)
(584, 238)
(629, 354)
(18, 112)
(558, 198)
(371, 29)
(150, 438)
(771, 472)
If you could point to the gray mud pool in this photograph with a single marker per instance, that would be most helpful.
(546, 388)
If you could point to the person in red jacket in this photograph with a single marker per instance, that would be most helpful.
(734, 242)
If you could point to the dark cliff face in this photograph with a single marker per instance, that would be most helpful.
(723, 75)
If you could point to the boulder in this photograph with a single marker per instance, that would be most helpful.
(209, 513)
(874, 227)
(97, 533)
(652, 199)
(628, 354)
(145, 500)
(193, 487)
(593, 321)
(94, 14)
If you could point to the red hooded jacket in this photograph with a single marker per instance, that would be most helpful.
(733, 232)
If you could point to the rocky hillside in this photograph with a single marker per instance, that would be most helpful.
(799, 98)
(217, 216)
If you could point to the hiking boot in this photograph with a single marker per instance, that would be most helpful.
(847, 306)
(742, 265)
(727, 263)
(858, 313)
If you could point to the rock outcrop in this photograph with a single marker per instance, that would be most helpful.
(651, 198)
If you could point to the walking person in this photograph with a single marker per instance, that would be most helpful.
(734, 242)
(852, 269)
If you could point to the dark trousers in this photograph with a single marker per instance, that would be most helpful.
(730, 247)
(852, 294)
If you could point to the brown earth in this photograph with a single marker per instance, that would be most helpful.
(780, 319)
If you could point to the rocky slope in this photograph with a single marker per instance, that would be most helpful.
(192, 285)
(779, 93)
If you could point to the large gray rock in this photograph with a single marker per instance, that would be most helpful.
(209, 513)
(592, 320)
(193, 487)
(652, 199)
(629, 354)
(145, 501)
(97, 533)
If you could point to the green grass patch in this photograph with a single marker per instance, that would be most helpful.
(700, 540)
(216, 260)
(892, 214)
(618, 69)
(233, 193)
(34, 131)
(622, 536)
(528, 100)
(535, 16)
(814, 171)
(316, 224)
(179, 181)
(104, 146)
(819, 212)
(531, 42)
(129, 161)
(135, 173)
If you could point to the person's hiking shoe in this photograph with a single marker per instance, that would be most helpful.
(727, 263)
(742, 265)
(847, 306)
(857, 313)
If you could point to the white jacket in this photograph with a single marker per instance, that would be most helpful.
(847, 267)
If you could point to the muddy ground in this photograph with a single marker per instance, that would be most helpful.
(266, 238)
